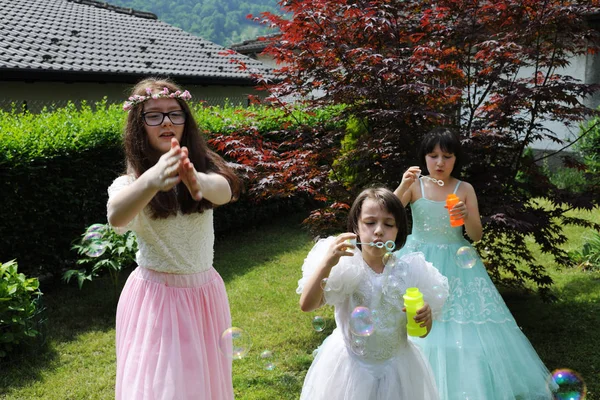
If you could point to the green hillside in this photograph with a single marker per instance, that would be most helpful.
(221, 21)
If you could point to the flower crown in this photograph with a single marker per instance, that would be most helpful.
(137, 99)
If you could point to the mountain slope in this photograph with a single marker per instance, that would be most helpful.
(221, 21)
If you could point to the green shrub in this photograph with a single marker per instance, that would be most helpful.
(20, 310)
(101, 250)
(589, 255)
(55, 168)
(589, 145)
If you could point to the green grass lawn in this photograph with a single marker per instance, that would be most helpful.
(261, 269)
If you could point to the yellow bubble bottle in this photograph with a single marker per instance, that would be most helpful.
(413, 301)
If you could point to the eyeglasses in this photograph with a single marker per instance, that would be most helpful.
(155, 118)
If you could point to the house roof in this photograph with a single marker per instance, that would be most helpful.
(88, 40)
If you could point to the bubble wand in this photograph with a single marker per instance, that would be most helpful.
(390, 245)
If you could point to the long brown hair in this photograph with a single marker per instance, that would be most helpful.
(140, 155)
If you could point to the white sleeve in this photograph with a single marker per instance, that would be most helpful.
(117, 185)
(312, 260)
(433, 285)
(343, 278)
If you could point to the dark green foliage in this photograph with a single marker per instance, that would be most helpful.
(55, 168)
(54, 171)
(102, 250)
(589, 144)
(20, 309)
(221, 21)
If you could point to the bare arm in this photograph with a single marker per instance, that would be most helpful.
(312, 294)
(469, 211)
(210, 186)
(404, 190)
(126, 204)
(425, 318)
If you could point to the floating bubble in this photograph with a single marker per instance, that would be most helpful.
(357, 346)
(324, 285)
(393, 287)
(269, 366)
(96, 249)
(361, 322)
(235, 343)
(92, 236)
(466, 257)
(96, 228)
(318, 323)
(266, 354)
(92, 242)
(386, 258)
(437, 292)
(376, 317)
(567, 385)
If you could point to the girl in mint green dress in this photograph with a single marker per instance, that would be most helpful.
(476, 350)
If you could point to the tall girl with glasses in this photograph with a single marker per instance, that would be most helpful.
(173, 308)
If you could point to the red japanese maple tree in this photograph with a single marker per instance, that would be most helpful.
(493, 70)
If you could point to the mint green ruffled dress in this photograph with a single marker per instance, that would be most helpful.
(476, 349)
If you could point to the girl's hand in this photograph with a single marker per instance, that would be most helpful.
(423, 316)
(459, 210)
(163, 176)
(339, 248)
(189, 176)
(410, 176)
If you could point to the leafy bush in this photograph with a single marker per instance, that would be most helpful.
(102, 250)
(20, 309)
(55, 167)
(589, 145)
(589, 256)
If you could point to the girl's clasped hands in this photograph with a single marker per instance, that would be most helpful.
(173, 167)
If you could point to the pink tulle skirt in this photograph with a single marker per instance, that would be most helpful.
(168, 331)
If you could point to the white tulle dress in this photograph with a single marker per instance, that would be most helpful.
(385, 365)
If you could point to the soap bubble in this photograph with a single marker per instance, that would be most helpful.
(361, 322)
(393, 287)
(324, 285)
(318, 323)
(235, 343)
(386, 258)
(267, 355)
(567, 385)
(96, 228)
(92, 236)
(92, 242)
(269, 366)
(357, 346)
(466, 257)
(437, 292)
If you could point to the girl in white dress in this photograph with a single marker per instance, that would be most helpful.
(382, 365)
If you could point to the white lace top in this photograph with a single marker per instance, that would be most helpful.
(353, 283)
(181, 244)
